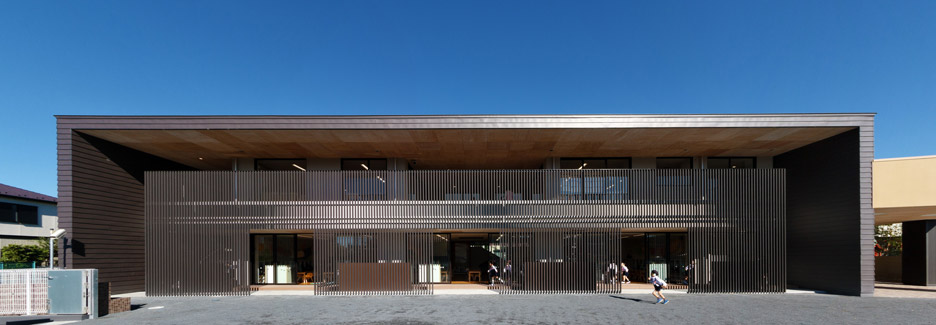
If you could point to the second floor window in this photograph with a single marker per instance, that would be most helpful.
(280, 164)
(364, 186)
(363, 164)
(673, 178)
(595, 163)
(18, 213)
(593, 185)
(674, 163)
(731, 162)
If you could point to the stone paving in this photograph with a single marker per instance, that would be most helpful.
(529, 309)
(896, 290)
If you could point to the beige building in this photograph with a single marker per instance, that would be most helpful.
(25, 216)
(904, 191)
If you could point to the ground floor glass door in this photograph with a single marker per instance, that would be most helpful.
(282, 259)
(471, 254)
(661, 252)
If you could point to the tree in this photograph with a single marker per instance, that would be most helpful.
(888, 240)
(24, 253)
(891, 230)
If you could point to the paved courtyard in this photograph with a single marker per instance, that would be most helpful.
(529, 309)
(885, 289)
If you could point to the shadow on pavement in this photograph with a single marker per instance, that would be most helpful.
(631, 299)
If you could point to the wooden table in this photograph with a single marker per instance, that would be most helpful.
(306, 277)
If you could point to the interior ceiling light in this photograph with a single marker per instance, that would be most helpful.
(299, 167)
(365, 167)
(583, 165)
(200, 158)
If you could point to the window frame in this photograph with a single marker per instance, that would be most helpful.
(382, 191)
(630, 162)
(729, 158)
(18, 210)
(368, 162)
(275, 250)
(12, 209)
(33, 209)
(257, 164)
(666, 180)
(586, 182)
(657, 162)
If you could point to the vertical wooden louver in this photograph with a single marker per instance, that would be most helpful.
(560, 228)
(559, 261)
(361, 262)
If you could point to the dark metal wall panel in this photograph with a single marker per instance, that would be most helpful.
(101, 200)
(64, 203)
(735, 219)
(103, 214)
(829, 215)
(919, 252)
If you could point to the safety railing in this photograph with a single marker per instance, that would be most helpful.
(645, 186)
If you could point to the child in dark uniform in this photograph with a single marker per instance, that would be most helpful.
(492, 273)
(658, 285)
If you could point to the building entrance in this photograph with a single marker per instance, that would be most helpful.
(662, 252)
(470, 254)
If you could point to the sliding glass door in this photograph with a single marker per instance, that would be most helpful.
(282, 259)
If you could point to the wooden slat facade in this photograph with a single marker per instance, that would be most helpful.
(199, 223)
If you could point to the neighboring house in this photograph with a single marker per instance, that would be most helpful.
(220, 205)
(905, 192)
(25, 216)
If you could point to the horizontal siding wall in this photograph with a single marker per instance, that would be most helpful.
(826, 216)
(104, 218)
(101, 203)
(866, 242)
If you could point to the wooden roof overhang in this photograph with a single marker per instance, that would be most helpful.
(461, 142)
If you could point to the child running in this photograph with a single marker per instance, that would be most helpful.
(658, 285)
(625, 273)
(492, 273)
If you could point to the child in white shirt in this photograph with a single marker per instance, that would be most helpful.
(658, 285)
(492, 272)
(625, 273)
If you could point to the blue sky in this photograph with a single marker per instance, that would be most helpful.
(466, 57)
